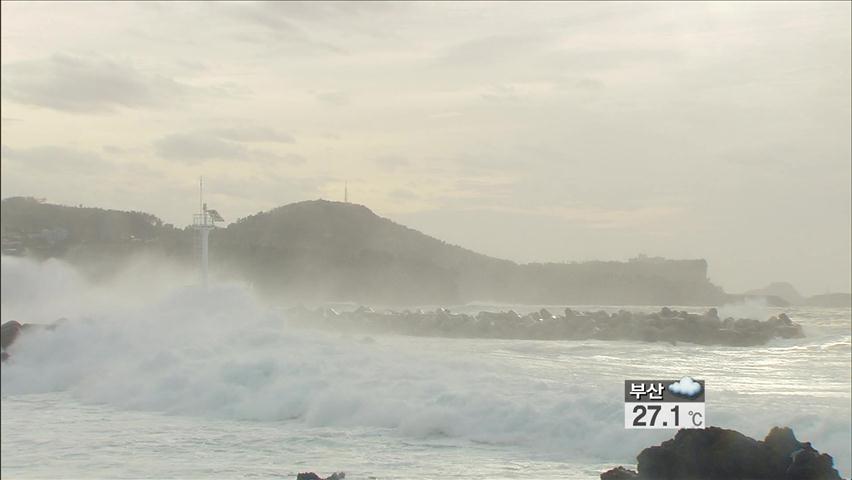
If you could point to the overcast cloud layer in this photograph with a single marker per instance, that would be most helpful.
(529, 131)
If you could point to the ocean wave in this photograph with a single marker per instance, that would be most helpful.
(224, 354)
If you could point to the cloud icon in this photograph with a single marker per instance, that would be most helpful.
(685, 387)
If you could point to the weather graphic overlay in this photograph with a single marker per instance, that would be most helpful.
(662, 404)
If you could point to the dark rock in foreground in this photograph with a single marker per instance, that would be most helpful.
(314, 476)
(720, 454)
(9, 332)
(664, 326)
(619, 473)
(12, 330)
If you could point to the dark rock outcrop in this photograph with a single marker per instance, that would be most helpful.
(314, 476)
(721, 454)
(666, 325)
(619, 473)
(9, 332)
(12, 330)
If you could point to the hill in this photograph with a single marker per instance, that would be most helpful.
(319, 250)
(831, 300)
(782, 290)
(92, 238)
(35, 220)
(790, 296)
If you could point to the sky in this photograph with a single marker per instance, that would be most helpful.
(529, 131)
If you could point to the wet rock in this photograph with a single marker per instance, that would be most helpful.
(721, 454)
(781, 441)
(711, 453)
(809, 464)
(314, 476)
(9, 332)
(667, 325)
(619, 473)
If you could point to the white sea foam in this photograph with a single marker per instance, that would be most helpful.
(223, 354)
(755, 308)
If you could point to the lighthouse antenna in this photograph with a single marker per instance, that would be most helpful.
(204, 222)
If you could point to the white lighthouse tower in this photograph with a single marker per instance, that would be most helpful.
(203, 222)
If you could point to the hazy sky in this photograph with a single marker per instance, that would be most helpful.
(535, 132)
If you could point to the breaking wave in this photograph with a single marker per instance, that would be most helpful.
(224, 354)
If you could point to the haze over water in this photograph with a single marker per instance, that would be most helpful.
(183, 384)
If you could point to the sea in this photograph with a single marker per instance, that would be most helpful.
(147, 380)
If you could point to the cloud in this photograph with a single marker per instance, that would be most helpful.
(114, 149)
(582, 83)
(278, 22)
(80, 85)
(290, 158)
(57, 159)
(270, 188)
(224, 144)
(392, 162)
(321, 11)
(335, 98)
(293, 158)
(490, 50)
(685, 387)
(444, 115)
(268, 18)
(403, 194)
(285, 14)
(584, 59)
(502, 93)
(253, 134)
(192, 65)
(196, 147)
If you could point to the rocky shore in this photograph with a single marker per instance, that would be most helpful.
(717, 454)
(12, 330)
(720, 454)
(9, 332)
(667, 325)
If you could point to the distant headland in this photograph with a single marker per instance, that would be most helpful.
(318, 250)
